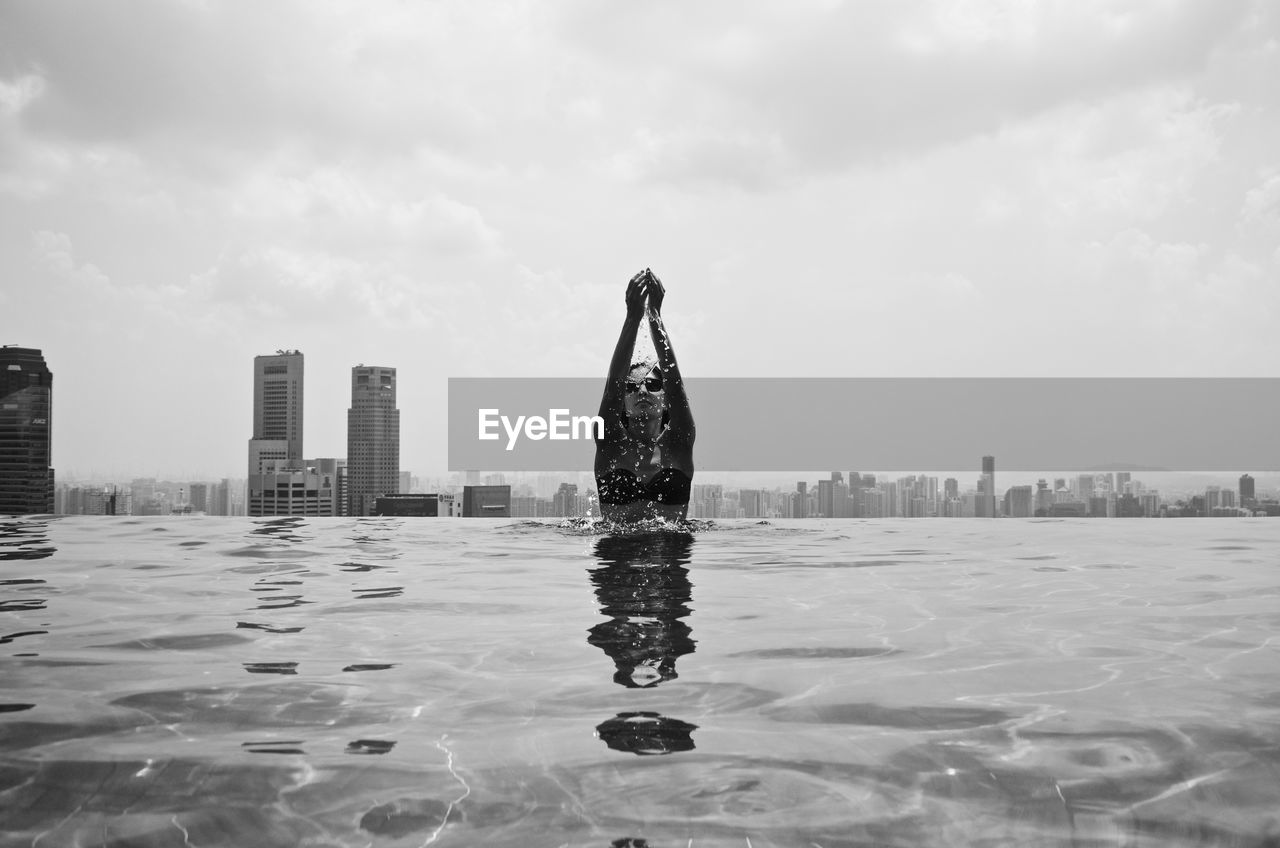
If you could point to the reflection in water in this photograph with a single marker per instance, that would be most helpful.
(25, 539)
(646, 733)
(643, 587)
(370, 746)
(271, 667)
(281, 528)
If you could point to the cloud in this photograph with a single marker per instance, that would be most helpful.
(842, 84)
(365, 210)
(16, 95)
(53, 251)
(1262, 203)
(744, 160)
(1183, 298)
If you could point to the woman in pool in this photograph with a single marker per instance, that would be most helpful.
(644, 461)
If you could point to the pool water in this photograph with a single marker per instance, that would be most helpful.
(408, 682)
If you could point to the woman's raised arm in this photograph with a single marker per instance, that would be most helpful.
(612, 409)
(681, 422)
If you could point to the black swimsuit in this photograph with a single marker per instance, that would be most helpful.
(619, 486)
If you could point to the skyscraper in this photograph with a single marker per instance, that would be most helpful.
(1246, 490)
(373, 438)
(277, 409)
(26, 428)
(986, 504)
(276, 444)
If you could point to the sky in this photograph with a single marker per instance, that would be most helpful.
(460, 189)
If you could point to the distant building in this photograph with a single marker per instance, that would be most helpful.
(1128, 506)
(565, 501)
(1247, 496)
(406, 504)
(486, 501)
(276, 443)
(220, 498)
(1084, 487)
(199, 497)
(1019, 502)
(524, 506)
(1043, 498)
(986, 505)
(1218, 498)
(282, 490)
(93, 500)
(373, 438)
(336, 469)
(26, 432)
(450, 505)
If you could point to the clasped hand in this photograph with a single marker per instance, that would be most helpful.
(644, 285)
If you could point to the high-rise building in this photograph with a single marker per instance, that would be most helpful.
(1084, 487)
(986, 503)
(199, 497)
(1246, 490)
(1043, 498)
(826, 496)
(276, 445)
(277, 411)
(26, 432)
(1019, 502)
(220, 498)
(373, 438)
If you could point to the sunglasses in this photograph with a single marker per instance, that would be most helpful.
(653, 383)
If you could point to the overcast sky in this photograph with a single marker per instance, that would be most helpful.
(462, 189)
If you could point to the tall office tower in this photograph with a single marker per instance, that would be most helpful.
(986, 506)
(1246, 490)
(218, 498)
(373, 438)
(276, 444)
(1019, 502)
(1084, 487)
(826, 497)
(26, 432)
(277, 410)
(1043, 498)
(199, 499)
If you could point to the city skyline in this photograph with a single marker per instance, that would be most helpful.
(1118, 494)
(886, 190)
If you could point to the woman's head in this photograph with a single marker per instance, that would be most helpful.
(645, 395)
